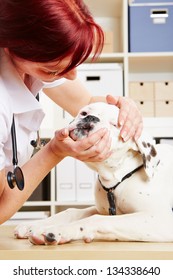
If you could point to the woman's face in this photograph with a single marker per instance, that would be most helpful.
(47, 72)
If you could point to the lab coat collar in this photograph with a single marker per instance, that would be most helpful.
(22, 99)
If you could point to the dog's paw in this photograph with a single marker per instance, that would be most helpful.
(58, 236)
(22, 231)
(49, 235)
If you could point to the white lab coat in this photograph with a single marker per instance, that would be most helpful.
(17, 99)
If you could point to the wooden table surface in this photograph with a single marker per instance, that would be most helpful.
(15, 249)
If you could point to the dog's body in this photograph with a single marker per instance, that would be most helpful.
(135, 185)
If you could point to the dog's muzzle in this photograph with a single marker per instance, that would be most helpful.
(83, 127)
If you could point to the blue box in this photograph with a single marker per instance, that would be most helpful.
(150, 26)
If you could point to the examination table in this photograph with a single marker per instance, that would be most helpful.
(11, 248)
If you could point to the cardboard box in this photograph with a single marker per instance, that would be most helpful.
(143, 94)
(164, 99)
(146, 107)
(150, 26)
(141, 90)
(164, 108)
(108, 43)
(164, 90)
(102, 78)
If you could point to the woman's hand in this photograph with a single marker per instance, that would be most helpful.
(95, 147)
(130, 118)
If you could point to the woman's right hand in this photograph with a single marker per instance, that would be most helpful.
(95, 147)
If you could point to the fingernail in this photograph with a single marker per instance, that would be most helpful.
(124, 135)
(121, 122)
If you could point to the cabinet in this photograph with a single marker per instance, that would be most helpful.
(138, 68)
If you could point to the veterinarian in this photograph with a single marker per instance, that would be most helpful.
(41, 44)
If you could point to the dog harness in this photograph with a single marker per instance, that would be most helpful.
(110, 194)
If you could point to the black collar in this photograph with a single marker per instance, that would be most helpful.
(110, 195)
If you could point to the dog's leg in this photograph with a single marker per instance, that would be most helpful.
(61, 218)
(129, 227)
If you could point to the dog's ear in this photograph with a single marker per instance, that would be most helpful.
(113, 115)
(146, 146)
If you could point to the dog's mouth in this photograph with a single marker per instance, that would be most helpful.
(83, 128)
(81, 131)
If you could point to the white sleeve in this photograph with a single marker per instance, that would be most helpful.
(3, 139)
(54, 83)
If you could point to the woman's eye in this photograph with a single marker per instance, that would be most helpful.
(53, 73)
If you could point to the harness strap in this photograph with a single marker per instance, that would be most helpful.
(110, 194)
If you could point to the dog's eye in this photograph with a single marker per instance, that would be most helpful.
(83, 113)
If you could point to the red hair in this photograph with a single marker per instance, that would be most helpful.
(49, 30)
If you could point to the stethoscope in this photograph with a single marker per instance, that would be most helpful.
(15, 178)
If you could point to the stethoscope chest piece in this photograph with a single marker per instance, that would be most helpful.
(16, 178)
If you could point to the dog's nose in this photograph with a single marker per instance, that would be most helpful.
(91, 118)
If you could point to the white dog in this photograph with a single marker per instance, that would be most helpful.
(133, 194)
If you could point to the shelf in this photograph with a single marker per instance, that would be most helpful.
(112, 15)
(37, 203)
(102, 8)
(159, 127)
(72, 203)
(152, 64)
(150, 54)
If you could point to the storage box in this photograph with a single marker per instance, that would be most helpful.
(164, 90)
(65, 180)
(74, 181)
(108, 42)
(168, 141)
(143, 94)
(102, 78)
(150, 26)
(164, 109)
(164, 99)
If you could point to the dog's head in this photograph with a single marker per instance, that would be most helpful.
(99, 115)
(93, 117)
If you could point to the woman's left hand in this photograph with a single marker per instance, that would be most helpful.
(130, 118)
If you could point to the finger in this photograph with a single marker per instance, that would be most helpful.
(138, 131)
(99, 151)
(132, 127)
(114, 100)
(91, 140)
(102, 155)
(61, 134)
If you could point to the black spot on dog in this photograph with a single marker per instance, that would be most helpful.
(50, 237)
(144, 160)
(144, 144)
(153, 152)
(81, 229)
(148, 158)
